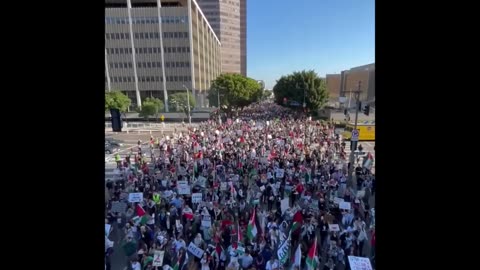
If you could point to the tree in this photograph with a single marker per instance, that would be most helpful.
(117, 100)
(293, 86)
(180, 100)
(267, 94)
(151, 107)
(236, 91)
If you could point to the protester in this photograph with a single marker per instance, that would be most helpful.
(242, 194)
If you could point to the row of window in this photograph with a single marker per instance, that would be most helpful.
(148, 50)
(116, 79)
(147, 20)
(150, 64)
(151, 35)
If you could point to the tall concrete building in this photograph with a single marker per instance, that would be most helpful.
(333, 86)
(150, 48)
(364, 74)
(229, 21)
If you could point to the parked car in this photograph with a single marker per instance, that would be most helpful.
(113, 142)
(110, 149)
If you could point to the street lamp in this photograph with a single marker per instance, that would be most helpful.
(188, 105)
(218, 104)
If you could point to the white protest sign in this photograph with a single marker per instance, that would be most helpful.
(345, 205)
(164, 183)
(207, 221)
(183, 187)
(196, 251)
(337, 200)
(359, 263)
(284, 204)
(158, 258)
(196, 197)
(334, 227)
(135, 197)
(107, 229)
(178, 224)
(119, 207)
(360, 194)
(262, 188)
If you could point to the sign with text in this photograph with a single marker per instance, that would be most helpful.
(196, 197)
(223, 186)
(183, 187)
(135, 197)
(207, 221)
(337, 200)
(334, 227)
(284, 204)
(119, 207)
(359, 263)
(196, 251)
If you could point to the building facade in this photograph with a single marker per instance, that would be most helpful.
(178, 31)
(229, 21)
(333, 86)
(349, 82)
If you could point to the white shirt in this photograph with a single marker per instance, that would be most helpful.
(136, 266)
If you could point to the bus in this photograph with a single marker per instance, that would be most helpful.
(366, 130)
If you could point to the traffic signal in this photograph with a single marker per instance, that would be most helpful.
(345, 112)
(359, 105)
(366, 110)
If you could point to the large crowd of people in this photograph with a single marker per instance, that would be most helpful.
(266, 189)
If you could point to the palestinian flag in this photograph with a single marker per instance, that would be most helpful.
(140, 210)
(252, 227)
(295, 226)
(177, 264)
(188, 213)
(140, 220)
(312, 252)
(297, 257)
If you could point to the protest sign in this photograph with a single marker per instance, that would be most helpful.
(201, 181)
(280, 173)
(262, 188)
(223, 186)
(183, 187)
(178, 224)
(360, 194)
(284, 204)
(207, 221)
(196, 197)
(119, 207)
(158, 258)
(334, 227)
(164, 183)
(345, 205)
(196, 251)
(135, 197)
(337, 200)
(359, 263)
(107, 229)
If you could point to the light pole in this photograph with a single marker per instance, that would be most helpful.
(218, 104)
(188, 105)
(354, 143)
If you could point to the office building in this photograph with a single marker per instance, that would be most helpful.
(340, 85)
(178, 30)
(229, 21)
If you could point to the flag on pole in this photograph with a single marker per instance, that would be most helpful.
(188, 213)
(312, 252)
(239, 234)
(177, 264)
(252, 227)
(297, 257)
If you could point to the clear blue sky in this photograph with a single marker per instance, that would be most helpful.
(327, 36)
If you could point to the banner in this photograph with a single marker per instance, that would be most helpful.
(196, 251)
(359, 263)
(158, 258)
(183, 187)
(119, 207)
(135, 197)
(196, 197)
(345, 206)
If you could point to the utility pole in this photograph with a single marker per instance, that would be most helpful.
(188, 105)
(354, 143)
(218, 105)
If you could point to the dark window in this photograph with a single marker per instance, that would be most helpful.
(142, 20)
(165, 34)
(125, 65)
(129, 79)
(159, 64)
(189, 78)
(116, 65)
(121, 50)
(117, 36)
(169, 49)
(117, 51)
(147, 20)
(144, 65)
(157, 35)
(171, 34)
(187, 64)
(136, 35)
(188, 49)
(185, 78)
(150, 50)
(174, 49)
(141, 35)
(177, 64)
(139, 65)
(130, 65)
(127, 35)
(111, 65)
(122, 36)
(136, 50)
(175, 34)
(143, 79)
(107, 35)
(148, 79)
(177, 19)
(140, 50)
(181, 64)
(154, 64)
(115, 79)
(151, 35)
(157, 78)
(167, 64)
(154, 49)
(130, 50)
(149, 65)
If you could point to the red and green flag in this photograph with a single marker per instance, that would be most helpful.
(312, 252)
(252, 227)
